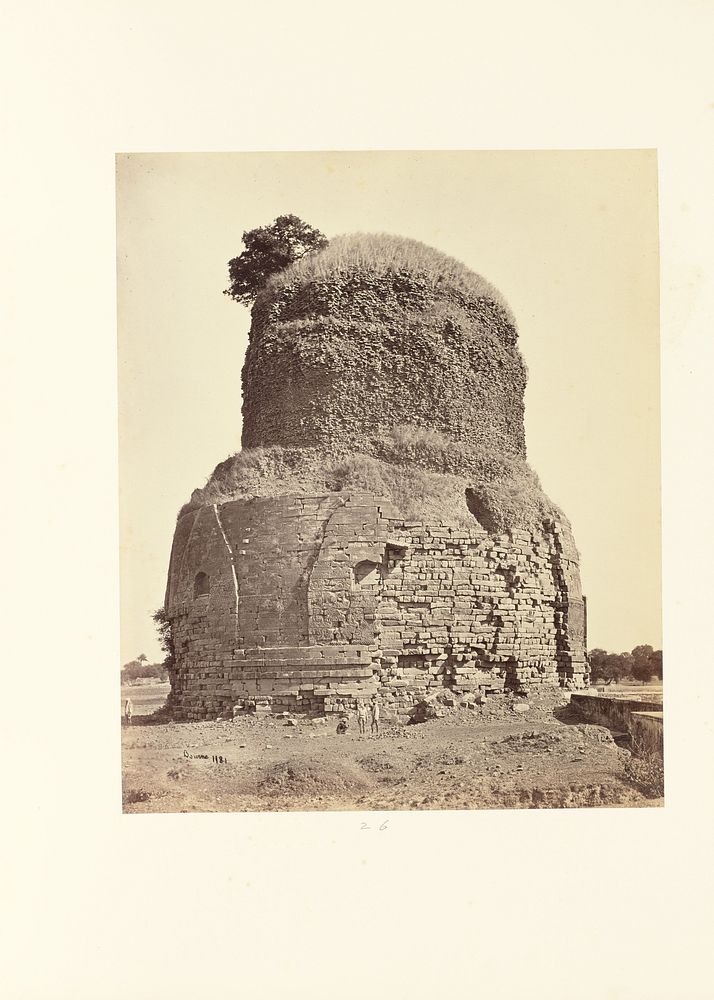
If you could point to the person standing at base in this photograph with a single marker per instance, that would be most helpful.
(362, 718)
(128, 709)
(374, 713)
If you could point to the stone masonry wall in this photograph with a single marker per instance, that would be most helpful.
(615, 713)
(312, 602)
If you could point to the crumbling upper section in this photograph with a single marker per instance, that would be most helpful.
(377, 332)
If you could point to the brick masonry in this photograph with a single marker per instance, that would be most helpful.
(312, 602)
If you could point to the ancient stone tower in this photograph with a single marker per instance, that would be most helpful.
(381, 530)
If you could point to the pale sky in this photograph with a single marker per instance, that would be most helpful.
(569, 238)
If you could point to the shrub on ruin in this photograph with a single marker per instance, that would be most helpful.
(163, 626)
(647, 773)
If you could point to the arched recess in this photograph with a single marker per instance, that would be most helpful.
(201, 585)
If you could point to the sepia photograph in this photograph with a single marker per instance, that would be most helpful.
(389, 480)
(358, 392)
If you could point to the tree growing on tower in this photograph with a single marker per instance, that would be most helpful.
(270, 249)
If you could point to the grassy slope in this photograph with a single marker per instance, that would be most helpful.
(422, 473)
(378, 253)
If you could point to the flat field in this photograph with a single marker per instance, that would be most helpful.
(145, 698)
(492, 758)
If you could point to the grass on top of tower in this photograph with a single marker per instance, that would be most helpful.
(380, 253)
(425, 475)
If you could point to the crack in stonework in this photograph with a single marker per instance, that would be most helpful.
(230, 554)
(312, 562)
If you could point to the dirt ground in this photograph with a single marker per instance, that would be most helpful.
(488, 759)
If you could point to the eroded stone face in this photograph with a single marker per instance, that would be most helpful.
(350, 358)
(315, 601)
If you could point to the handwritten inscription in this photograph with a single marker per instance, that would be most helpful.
(217, 758)
(367, 826)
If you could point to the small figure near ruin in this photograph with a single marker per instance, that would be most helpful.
(374, 714)
(342, 726)
(362, 718)
(128, 709)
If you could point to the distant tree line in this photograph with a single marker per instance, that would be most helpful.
(141, 668)
(643, 664)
